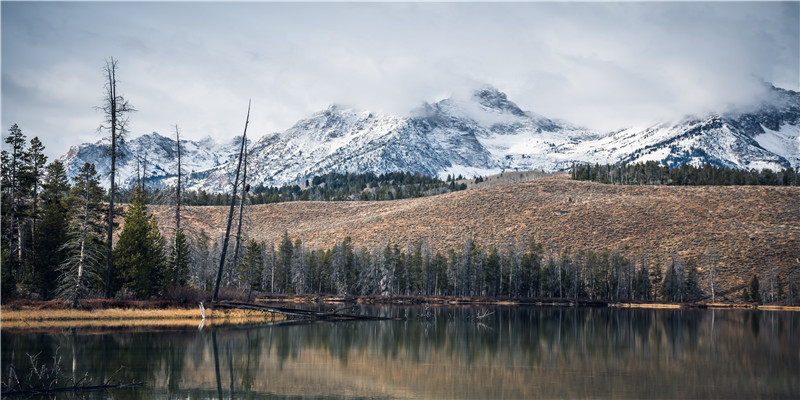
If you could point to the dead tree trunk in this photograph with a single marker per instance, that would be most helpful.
(178, 202)
(233, 205)
(241, 213)
(115, 107)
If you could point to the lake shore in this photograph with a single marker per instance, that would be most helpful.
(505, 301)
(37, 315)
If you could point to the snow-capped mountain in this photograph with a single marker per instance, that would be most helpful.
(483, 134)
(151, 155)
(766, 135)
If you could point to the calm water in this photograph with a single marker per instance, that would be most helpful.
(481, 353)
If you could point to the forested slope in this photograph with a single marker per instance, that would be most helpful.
(751, 229)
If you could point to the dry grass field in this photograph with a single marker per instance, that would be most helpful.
(751, 228)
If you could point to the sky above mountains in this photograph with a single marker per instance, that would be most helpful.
(196, 64)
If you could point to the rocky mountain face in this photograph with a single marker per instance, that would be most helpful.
(481, 135)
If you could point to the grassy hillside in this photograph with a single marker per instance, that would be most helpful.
(751, 228)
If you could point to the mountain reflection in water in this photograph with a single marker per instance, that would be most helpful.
(470, 352)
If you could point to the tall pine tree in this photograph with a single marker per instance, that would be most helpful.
(84, 247)
(48, 250)
(138, 255)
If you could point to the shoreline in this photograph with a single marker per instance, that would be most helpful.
(30, 318)
(33, 315)
(511, 302)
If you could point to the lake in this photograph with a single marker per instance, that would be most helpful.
(442, 353)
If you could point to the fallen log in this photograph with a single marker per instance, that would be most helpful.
(302, 314)
(20, 392)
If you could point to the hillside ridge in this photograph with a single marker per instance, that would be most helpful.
(750, 227)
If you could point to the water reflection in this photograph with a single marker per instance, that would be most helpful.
(447, 353)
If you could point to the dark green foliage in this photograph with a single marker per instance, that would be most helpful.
(330, 187)
(178, 261)
(651, 173)
(80, 271)
(7, 282)
(138, 254)
(755, 291)
(251, 266)
(51, 235)
(476, 271)
(15, 184)
(691, 288)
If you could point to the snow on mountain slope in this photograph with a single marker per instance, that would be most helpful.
(155, 152)
(482, 134)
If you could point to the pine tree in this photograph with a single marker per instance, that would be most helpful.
(656, 278)
(691, 288)
(284, 264)
(84, 247)
(755, 291)
(178, 261)
(49, 239)
(35, 161)
(14, 171)
(139, 252)
(299, 268)
(251, 267)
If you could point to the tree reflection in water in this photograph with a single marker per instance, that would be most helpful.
(449, 352)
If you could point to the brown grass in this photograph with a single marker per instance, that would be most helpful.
(751, 227)
(31, 318)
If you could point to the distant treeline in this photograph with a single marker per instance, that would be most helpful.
(329, 187)
(650, 173)
(475, 270)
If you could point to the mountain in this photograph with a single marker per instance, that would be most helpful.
(485, 133)
(766, 135)
(156, 155)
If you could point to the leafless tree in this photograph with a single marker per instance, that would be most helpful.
(233, 205)
(116, 109)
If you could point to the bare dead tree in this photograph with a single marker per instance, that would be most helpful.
(245, 189)
(178, 198)
(116, 108)
(233, 205)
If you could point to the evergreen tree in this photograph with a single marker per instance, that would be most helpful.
(178, 261)
(48, 251)
(284, 264)
(691, 289)
(251, 266)
(7, 282)
(84, 246)
(138, 254)
(299, 268)
(14, 172)
(656, 277)
(755, 291)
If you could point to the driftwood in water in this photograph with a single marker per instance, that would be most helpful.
(294, 313)
(61, 389)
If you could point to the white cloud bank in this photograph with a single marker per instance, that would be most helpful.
(603, 65)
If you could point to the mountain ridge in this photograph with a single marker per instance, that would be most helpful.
(484, 134)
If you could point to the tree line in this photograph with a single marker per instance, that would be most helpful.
(328, 187)
(474, 270)
(53, 242)
(651, 173)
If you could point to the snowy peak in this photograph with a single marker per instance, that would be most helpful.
(478, 134)
(156, 156)
(493, 99)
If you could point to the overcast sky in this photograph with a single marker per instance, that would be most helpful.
(196, 64)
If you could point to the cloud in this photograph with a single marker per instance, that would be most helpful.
(603, 65)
